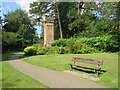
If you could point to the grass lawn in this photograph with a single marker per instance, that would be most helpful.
(59, 62)
(11, 78)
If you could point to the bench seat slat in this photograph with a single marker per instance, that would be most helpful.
(90, 67)
(84, 61)
(91, 61)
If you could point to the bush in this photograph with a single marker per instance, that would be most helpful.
(61, 50)
(60, 43)
(77, 47)
(70, 45)
(102, 43)
(30, 51)
(50, 50)
(86, 50)
(41, 51)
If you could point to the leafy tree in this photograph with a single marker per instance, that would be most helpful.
(80, 18)
(19, 23)
(26, 35)
(9, 40)
(16, 19)
(56, 10)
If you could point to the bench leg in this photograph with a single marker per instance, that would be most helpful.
(96, 73)
(71, 68)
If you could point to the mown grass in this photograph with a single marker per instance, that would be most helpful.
(59, 62)
(12, 78)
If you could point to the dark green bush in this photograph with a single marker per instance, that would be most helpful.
(77, 47)
(60, 43)
(70, 45)
(102, 43)
(30, 51)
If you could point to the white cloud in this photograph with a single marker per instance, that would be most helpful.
(24, 4)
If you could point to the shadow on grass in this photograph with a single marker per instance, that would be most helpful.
(89, 71)
(13, 56)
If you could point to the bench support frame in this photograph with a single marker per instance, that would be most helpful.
(98, 65)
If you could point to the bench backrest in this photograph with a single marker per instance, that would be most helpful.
(91, 61)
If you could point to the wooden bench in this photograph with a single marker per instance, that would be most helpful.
(97, 64)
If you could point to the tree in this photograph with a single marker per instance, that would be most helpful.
(9, 40)
(43, 8)
(76, 18)
(19, 23)
(26, 35)
(59, 20)
(91, 15)
(16, 19)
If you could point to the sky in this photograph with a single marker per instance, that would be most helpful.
(12, 5)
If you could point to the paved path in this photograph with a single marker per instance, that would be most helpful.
(51, 78)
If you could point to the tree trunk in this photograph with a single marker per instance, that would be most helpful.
(78, 8)
(58, 15)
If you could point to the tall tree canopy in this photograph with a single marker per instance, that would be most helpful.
(79, 18)
(18, 23)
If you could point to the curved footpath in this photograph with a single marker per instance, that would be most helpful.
(52, 78)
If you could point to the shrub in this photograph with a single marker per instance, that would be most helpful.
(61, 50)
(60, 43)
(56, 50)
(77, 47)
(30, 50)
(104, 43)
(70, 45)
(50, 50)
(86, 50)
(41, 51)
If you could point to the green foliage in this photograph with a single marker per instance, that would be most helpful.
(50, 50)
(56, 50)
(15, 19)
(9, 40)
(61, 50)
(41, 51)
(30, 51)
(60, 43)
(104, 43)
(77, 47)
(19, 23)
(70, 45)
(26, 35)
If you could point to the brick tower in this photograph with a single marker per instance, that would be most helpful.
(48, 31)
